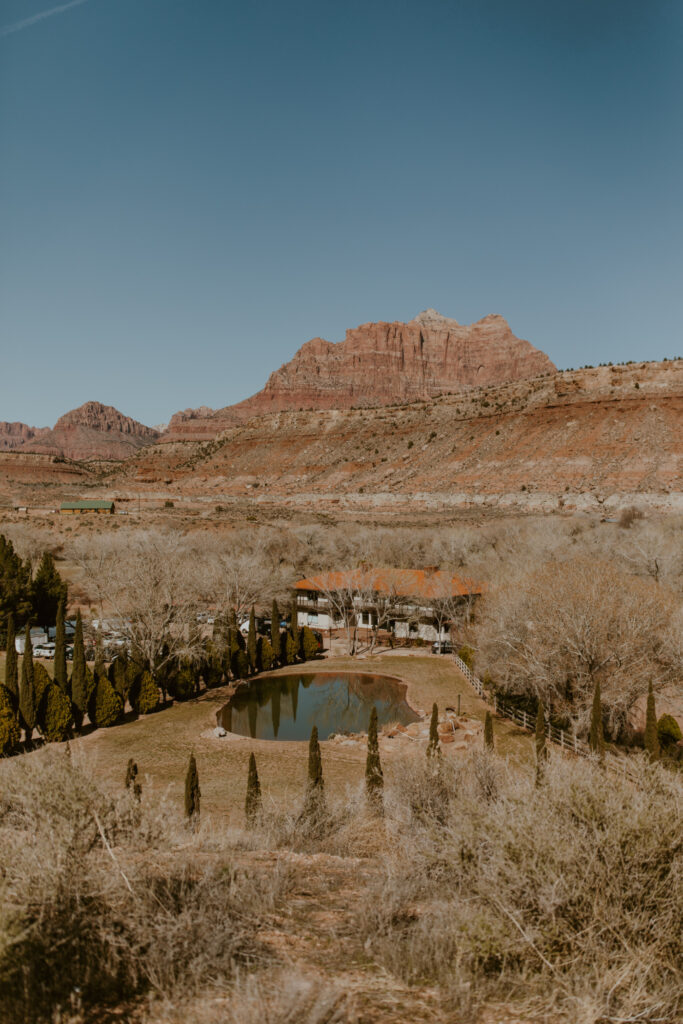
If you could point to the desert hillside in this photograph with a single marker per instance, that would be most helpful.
(573, 439)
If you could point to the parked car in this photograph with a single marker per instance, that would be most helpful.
(442, 647)
(44, 651)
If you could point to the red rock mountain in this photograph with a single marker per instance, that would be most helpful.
(382, 364)
(93, 431)
(17, 435)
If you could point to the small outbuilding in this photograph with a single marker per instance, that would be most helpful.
(71, 508)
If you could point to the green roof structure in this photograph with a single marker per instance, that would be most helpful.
(77, 506)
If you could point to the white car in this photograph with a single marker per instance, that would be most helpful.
(44, 651)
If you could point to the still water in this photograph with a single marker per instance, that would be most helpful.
(287, 707)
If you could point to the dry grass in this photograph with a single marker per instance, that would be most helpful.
(566, 900)
(477, 896)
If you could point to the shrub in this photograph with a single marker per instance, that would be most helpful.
(106, 706)
(466, 654)
(266, 654)
(147, 694)
(309, 644)
(668, 731)
(54, 714)
(183, 682)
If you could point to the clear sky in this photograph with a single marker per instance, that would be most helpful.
(190, 189)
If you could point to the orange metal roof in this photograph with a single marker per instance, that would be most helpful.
(402, 582)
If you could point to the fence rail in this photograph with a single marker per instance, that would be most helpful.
(564, 739)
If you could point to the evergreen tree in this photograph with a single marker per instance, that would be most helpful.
(10, 734)
(27, 697)
(651, 735)
(252, 805)
(291, 648)
(41, 681)
(48, 591)
(434, 747)
(11, 664)
(15, 585)
(488, 731)
(251, 641)
(314, 804)
(59, 671)
(374, 777)
(183, 682)
(118, 676)
(192, 793)
(132, 781)
(294, 629)
(266, 656)
(541, 748)
(275, 641)
(54, 714)
(79, 682)
(596, 739)
(240, 664)
(105, 706)
(147, 695)
(309, 644)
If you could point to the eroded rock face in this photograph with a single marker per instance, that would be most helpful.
(93, 431)
(381, 364)
(16, 435)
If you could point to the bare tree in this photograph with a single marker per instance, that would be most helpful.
(151, 587)
(556, 631)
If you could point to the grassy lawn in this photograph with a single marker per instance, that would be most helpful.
(161, 743)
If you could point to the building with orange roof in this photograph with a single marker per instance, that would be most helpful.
(422, 605)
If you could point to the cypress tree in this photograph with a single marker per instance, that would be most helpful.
(266, 656)
(314, 804)
(147, 694)
(10, 734)
(275, 641)
(118, 676)
(434, 747)
(251, 641)
(192, 793)
(55, 714)
(294, 629)
(41, 681)
(11, 664)
(132, 779)
(48, 591)
(541, 748)
(59, 673)
(651, 734)
(488, 731)
(374, 777)
(252, 804)
(27, 697)
(596, 739)
(309, 644)
(105, 705)
(79, 683)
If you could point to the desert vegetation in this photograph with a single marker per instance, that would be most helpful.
(463, 886)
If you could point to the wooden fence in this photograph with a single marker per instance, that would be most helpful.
(564, 739)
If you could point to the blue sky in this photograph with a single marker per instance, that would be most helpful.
(190, 189)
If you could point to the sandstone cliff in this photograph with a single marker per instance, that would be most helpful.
(93, 431)
(15, 435)
(382, 364)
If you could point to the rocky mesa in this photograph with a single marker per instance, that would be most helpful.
(381, 364)
(93, 431)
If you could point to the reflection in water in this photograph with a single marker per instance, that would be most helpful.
(287, 707)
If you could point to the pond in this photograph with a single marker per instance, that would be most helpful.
(287, 707)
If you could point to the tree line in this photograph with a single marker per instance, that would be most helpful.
(57, 706)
